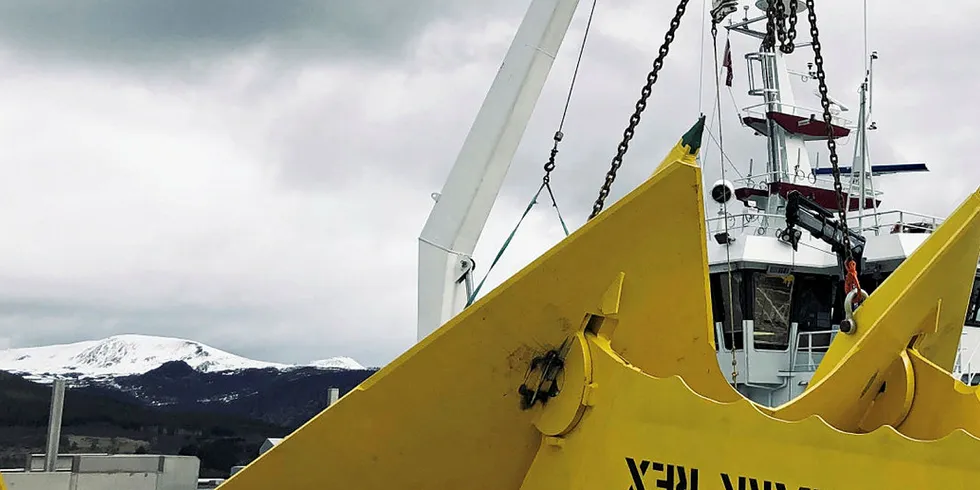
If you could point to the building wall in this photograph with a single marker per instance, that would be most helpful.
(118, 472)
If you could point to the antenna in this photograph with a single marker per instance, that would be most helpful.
(871, 84)
(866, 62)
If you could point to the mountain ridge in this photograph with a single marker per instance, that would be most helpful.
(286, 398)
(132, 354)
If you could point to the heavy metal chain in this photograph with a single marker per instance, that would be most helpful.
(641, 104)
(831, 143)
(776, 25)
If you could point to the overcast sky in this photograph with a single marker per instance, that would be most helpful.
(254, 175)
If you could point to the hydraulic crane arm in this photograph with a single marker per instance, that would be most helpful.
(461, 210)
(804, 213)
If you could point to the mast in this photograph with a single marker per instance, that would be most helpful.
(779, 117)
(461, 210)
(770, 79)
(861, 146)
(860, 165)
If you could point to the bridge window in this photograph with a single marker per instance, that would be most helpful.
(773, 295)
(973, 310)
(813, 304)
(813, 301)
(727, 302)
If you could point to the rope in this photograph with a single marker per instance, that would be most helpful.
(549, 166)
(724, 204)
(738, 110)
(559, 134)
(711, 136)
(561, 220)
(851, 277)
(510, 238)
(725, 155)
(578, 63)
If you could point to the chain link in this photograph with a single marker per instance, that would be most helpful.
(777, 28)
(831, 143)
(641, 104)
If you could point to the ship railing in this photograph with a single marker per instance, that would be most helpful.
(872, 222)
(754, 223)
(810, 348)
(759, 110)
(762, 181)
(894, 221)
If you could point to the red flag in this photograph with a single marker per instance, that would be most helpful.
(727, 63)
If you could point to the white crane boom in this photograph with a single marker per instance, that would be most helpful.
(462, 208)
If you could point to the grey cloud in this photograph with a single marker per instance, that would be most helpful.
(326, 144)
(47, 320)
(148, 31)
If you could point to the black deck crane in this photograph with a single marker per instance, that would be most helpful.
(802, 212)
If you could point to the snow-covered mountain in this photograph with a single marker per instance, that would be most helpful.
(337, 363)
(123, 355)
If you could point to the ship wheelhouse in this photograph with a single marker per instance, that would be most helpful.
(776, 310)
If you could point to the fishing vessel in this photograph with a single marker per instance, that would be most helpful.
(612, 359)
(783, 285)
